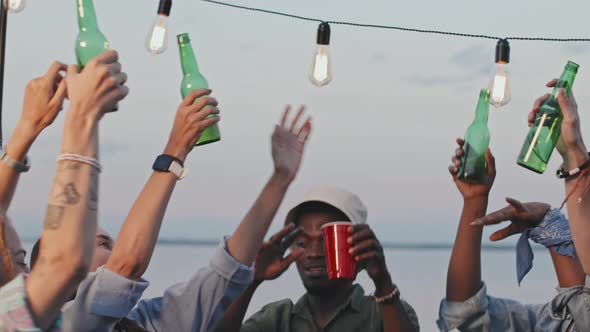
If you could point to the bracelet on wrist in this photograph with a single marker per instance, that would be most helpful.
(389, 298)
(562, 174)
(81, 159)
(18, 166)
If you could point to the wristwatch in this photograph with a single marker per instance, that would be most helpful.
(167, 163)
(18, 166)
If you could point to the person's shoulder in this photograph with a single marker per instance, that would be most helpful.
(269, 317)
(278, 306)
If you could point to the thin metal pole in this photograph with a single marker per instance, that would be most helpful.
(3, 18)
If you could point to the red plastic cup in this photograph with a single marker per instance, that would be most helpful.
(339, 262)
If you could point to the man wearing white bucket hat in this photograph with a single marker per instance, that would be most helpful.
(328, 305)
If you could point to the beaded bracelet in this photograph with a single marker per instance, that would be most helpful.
(561, 174)
(82, 159)
(389, 297)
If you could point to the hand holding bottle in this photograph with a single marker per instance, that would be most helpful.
(99, 87)
(192, 118)
(570, 144)
(288, 143)
(472, 189)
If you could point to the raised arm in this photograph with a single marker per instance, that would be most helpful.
(545, 226)
(288, 143)
(398, 316)
(137, 239)
(573, 150)
(70, 223)
(270, 264)
(43, 100)
(200, 302)
(464, 274)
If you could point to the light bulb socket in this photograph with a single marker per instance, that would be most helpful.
(503, 51)
(183, 38)
(323, 34)
(165, 7)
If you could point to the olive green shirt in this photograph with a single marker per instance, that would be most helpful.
(358, 313)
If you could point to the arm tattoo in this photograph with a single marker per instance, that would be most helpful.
(93, 194)
(53, 216)
(70, 193)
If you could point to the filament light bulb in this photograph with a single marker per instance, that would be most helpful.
(321, 71)
(15, 6)
(157, 38)
(500, 93)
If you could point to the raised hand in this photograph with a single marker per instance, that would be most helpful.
(521, 216)
(469, 189)
(367, 252)
(269, 262)
(99, 87)
(288, 143)
(190, 122)
(570, 144)
(44, 98)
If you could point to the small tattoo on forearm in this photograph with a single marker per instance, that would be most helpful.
(53, 216)
(71, 194)
(93, 193)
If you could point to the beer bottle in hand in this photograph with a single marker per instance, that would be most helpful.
(477, 140)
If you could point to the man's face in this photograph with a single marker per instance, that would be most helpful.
(15, 248)
(312, 266)
(102, 251)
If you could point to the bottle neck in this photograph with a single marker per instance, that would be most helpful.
(86, 15)
(188, 60)
(565, 81)
(483, 109)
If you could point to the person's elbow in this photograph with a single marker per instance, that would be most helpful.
(128, 266)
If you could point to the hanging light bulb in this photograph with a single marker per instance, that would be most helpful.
(15, 6)
(321, 72)
(157, 38)
(500, 82)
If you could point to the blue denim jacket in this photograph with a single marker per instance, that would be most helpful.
(105, 297)
(569, 311)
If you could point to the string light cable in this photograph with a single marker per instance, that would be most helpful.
(321, 72)
(392, 27)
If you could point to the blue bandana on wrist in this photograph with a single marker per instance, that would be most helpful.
(552, 232)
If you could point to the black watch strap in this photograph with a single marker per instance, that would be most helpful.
(170, 164)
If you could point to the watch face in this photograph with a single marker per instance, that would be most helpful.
(162, 163)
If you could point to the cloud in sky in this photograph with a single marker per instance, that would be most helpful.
(471, 63)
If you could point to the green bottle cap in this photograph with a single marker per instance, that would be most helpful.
(573, 66)
(183, 38)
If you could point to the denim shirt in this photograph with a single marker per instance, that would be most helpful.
(568, 311)
(105, 297)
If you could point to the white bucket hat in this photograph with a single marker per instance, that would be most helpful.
(343, 200)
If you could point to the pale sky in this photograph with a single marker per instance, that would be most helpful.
(384, 128)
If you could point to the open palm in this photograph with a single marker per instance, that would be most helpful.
(269, 262)
(521, 216)
(288, 143)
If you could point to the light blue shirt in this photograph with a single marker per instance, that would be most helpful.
(105, 297)
(569, 311)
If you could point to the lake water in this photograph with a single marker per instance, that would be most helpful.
(420, 274)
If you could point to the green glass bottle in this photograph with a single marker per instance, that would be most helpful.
(90, 42)
(192, 80)
(546, 128)
(477, 140)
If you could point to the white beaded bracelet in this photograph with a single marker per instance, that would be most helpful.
(82, 159)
